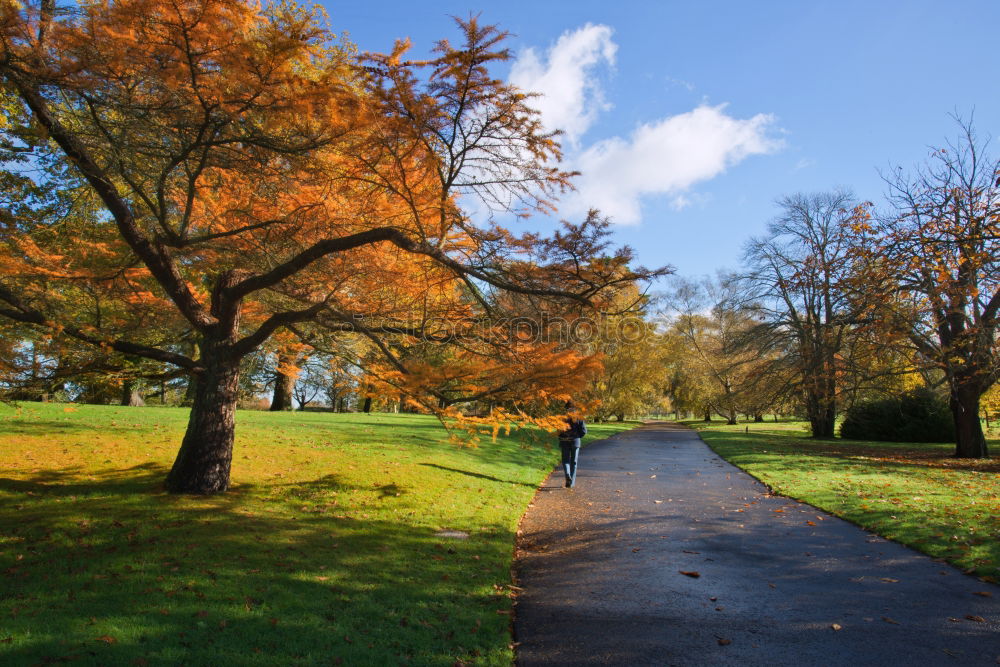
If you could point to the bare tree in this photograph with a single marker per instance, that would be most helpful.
(932, 267)
(796, 283)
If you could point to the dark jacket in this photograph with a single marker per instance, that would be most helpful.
(576, 429)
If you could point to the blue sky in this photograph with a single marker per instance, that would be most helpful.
(689, 119)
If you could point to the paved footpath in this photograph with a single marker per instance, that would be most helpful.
(601, 571)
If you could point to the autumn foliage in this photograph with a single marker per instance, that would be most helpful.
(208, 174)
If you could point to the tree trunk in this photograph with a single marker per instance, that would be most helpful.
(822, 412)
(368, 404)
(758, 418)
(202, 464)
(190, 390)
(708, 415)
(284, 386)
(970, 441)
(130, 394)
(620, 417)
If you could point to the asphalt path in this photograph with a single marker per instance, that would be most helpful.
(602, 572)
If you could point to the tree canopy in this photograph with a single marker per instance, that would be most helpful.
(200, 176)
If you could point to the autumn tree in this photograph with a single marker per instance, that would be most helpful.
(713, 372)
(633, 377)
(932, 273)
(251, 174)
(795, 283)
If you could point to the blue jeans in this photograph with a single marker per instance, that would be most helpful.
(570, 454)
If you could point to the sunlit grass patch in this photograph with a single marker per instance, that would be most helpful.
(327, 547)
(916, 494)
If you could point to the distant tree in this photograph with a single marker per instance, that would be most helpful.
(931, 272)
(633, 377)
(712, 370)
(795, 284)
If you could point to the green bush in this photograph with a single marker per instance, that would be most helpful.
(917, 416)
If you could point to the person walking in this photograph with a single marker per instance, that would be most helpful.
(569, 444)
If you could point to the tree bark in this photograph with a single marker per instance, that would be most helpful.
(368, 404)
(970, 441)
(822, 412)
(131, 395)
(284, 386)
(203, 462)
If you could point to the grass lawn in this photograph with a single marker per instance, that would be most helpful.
(325, 551)
(911, 493)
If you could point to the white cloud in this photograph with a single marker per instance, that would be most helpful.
(664, 157)
(571, 96)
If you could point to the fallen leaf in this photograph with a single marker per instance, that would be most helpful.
(889, 620)
(692, 574)
(889, 580)
(725, 642)
(636, 549)
(810, 523)
(985, 594)
(977, 619)
(690, 552)
(107, 639)
(657, 501)
(836, 626)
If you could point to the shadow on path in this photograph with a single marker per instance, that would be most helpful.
(665, 554)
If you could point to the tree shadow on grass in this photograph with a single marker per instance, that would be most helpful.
(477, 475)
(127, 573)
(853, 452)
(76, 481)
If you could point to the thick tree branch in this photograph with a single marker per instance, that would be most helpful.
(20, 313)
(154, 255)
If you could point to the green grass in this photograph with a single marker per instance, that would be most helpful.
(324, 552)
(916, 494)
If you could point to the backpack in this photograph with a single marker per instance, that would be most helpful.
(577, 429)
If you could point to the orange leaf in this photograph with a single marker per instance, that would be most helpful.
(692, 574)
(107, 639)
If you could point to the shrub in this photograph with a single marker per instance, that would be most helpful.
(917, 416)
